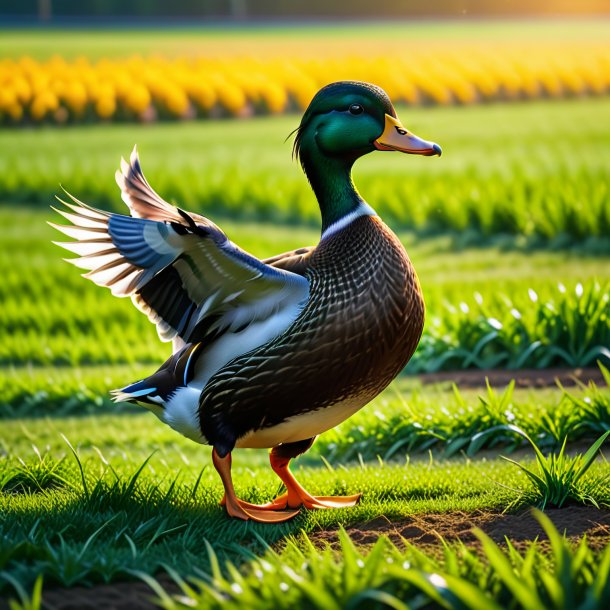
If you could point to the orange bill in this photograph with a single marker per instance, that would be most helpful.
(396, 137)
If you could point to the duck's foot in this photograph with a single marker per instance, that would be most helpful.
(244, 510)
(262, 513)
(304, 498)
(296, 495)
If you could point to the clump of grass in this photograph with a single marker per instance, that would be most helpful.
(592, 411)
(411, 426)
(559, 477)
(26, 601)
(569, 329)
(33, 477)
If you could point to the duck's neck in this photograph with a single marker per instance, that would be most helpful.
(331, 181)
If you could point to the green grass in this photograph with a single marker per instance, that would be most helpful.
(406, 419)
(168, 509)
(52, 316)
(27, 391)
(535, 171)
(496, 578)
(100, 42)
(401, 423)
(559, 478)
(127, 510)
(570, 329)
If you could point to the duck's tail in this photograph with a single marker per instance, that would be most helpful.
(140, 391)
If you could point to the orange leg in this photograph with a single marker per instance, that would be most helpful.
(244, 510)
(296, 495)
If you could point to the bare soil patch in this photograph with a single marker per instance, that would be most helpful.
(519, 528)
(524, 378)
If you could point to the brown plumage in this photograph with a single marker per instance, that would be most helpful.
(361, 325)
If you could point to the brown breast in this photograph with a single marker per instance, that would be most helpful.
(361, 325)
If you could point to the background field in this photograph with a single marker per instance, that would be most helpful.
(321, 39)
(510, 208)
(509, 232)
(536, 171)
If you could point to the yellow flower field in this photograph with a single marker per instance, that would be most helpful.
(158, 88)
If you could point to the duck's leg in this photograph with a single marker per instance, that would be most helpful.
(244, 510)
(296, 495)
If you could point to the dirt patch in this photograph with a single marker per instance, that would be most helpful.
(524, 378)
(519, 528)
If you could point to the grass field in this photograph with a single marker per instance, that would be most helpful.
(122, 522)
(536, 172)
(514, 179)
(171, 504)
(509, 234)
(480, 308)
(116, 509)
(408, 418)
(269, 39)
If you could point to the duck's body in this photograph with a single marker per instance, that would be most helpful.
(358, 329)
(267, 353)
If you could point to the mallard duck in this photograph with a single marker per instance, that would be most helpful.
(267, 353)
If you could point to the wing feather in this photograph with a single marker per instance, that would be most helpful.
(179, 269)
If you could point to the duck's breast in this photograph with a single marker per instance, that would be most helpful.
(359, 328)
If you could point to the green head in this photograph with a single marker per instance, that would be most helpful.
(344, 121)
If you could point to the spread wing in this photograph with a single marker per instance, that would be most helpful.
(180, 269)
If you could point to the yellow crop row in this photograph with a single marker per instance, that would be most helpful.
(159, 88)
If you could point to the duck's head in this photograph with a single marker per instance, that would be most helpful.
(351, 119)
(344, 121)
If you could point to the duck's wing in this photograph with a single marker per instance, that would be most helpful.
(295, 261)
(141, 199)
(182, 272)
(144, 202)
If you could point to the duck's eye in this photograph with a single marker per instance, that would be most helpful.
(356, 109)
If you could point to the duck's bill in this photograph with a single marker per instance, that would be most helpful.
(396, 137)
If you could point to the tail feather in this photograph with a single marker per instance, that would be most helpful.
(136, 392)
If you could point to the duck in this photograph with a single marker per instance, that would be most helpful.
(266, 353)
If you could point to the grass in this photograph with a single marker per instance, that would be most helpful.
(269, 39)
(558, 479)
(43, 391)
(504, 170)
(452, 422)
(106, 508)
(53, 317)
(98, 518)
(406, 419)
(388, 577)
(304, 576)
(570, 329)
(150, 517)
